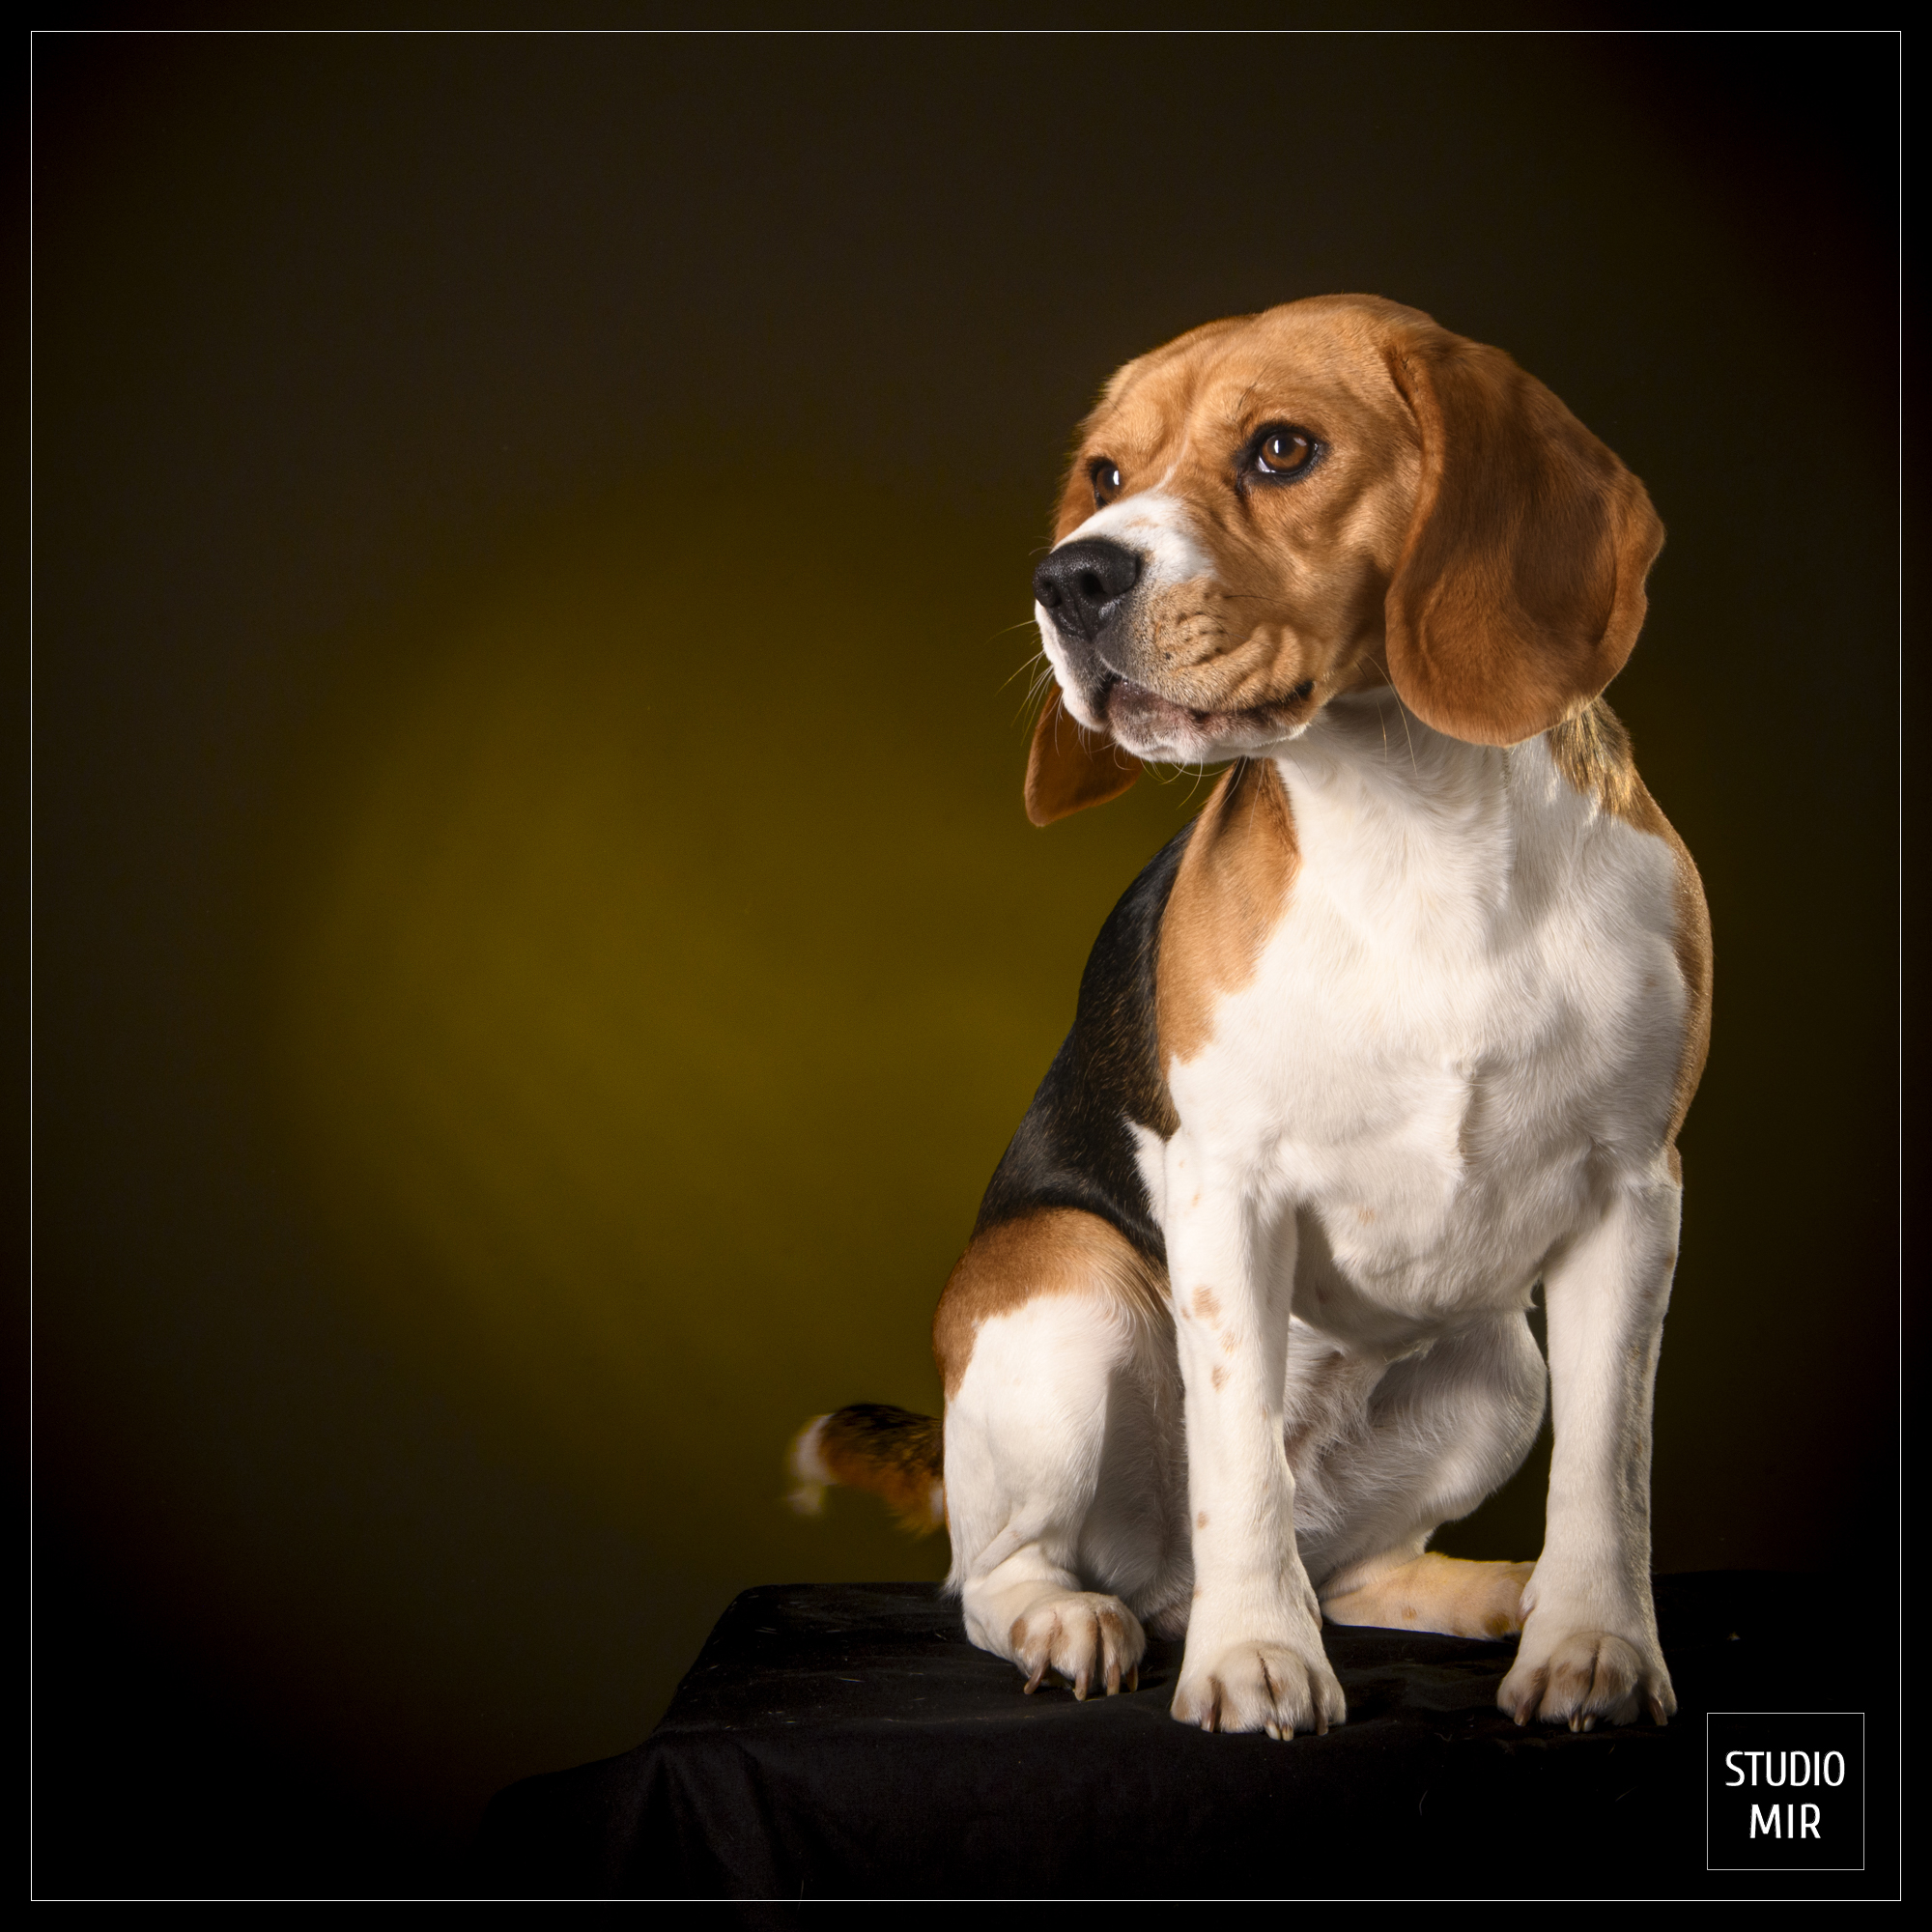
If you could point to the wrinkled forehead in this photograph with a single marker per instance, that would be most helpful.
(1200, 396)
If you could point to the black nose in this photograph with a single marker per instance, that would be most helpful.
(1081, 582)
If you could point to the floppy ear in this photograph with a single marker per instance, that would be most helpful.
(1520, 589)
(1071, 768)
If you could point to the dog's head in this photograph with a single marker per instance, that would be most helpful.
(1276, 510)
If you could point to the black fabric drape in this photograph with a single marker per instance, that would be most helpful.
(847, 1741)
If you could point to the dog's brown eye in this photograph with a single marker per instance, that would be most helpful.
(1106, 475)
(1284, 452)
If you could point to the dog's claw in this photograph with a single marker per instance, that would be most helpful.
(1078, 1638)
(1589, 1678)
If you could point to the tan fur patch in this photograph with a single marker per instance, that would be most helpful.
(1430, 1592)
(1228, 896)
(1055, 1251)
(1592, 751)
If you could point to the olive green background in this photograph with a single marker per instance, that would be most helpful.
(537, 949)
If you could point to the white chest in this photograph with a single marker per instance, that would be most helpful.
(1466, 1024)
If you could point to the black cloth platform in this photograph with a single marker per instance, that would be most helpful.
(846, 1740)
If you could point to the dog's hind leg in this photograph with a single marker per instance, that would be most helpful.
(1433, 1592)
(1439, 1433)
(1061, 1409)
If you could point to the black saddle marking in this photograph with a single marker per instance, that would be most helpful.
(1073, 1149)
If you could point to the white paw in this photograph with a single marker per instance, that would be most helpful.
(1279, 1688)
(1584, 1678)
(1081, 1637)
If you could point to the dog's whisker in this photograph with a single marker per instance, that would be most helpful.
(1022, 669)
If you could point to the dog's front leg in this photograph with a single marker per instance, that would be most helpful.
(1254, 1659)
(1589, 1651)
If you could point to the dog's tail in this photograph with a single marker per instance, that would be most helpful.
(891, 1451)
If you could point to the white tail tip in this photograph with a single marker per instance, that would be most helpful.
(808, 1470)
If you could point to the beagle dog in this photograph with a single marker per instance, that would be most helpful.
(1403, 1024)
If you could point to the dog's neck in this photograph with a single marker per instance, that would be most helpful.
(1416, 829)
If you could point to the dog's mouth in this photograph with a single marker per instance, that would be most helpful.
(1152, 727)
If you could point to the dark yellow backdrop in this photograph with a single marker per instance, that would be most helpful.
(537, 946)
